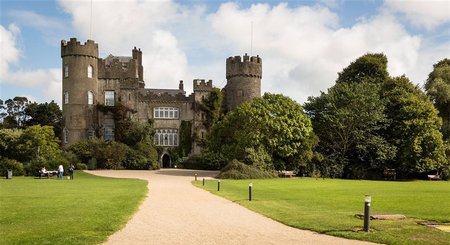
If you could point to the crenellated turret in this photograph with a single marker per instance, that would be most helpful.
(243, 80)
(79, 89)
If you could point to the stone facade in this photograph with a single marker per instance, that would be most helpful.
(89, 81)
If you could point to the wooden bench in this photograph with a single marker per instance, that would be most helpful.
(47, 174)
(434, 177)
(286, 174)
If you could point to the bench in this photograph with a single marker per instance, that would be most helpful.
(47, 174)
(286, 174)
(434, 177)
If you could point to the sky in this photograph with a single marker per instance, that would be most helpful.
(303, 44)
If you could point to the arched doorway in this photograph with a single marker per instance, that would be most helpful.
(166, 161)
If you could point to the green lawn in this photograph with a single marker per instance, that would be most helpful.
(328, 206)
(83, 211)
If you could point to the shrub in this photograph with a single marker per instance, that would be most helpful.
(15, 166)
(36, 164)
(238, 170)
(198, 162)
(81, 166)
(136, 160)
(92, 164)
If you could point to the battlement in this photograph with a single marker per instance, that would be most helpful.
(202, 85)
(244, 66)
(150, 96)
(74, 47)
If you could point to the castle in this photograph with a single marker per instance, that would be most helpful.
(90, 82)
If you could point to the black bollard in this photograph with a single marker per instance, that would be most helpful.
(367, 201)
(250, 187)
(218, 185)
(203, 181)
(195, 177)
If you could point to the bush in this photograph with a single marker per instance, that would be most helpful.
(81, 166)
(239, 170)
(92, 164)
(136, 160)
(15, 166)
(35, 165)
(198, 162)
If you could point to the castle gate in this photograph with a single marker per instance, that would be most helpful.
(165, 160)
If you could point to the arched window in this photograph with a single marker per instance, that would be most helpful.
(90, 71)
(90, 98)
(66, 70)
(66, 97)
(166, 137)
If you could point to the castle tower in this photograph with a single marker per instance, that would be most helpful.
(202, 89)
(243, 80)
(79, 90)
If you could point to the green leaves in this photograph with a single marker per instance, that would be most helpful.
(271, 127)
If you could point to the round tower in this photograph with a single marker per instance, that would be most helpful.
(79, 90)
(243, 80)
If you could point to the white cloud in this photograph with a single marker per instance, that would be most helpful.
(9, 54)
(48, 81)
(119, 26)
(427, 14)
(303, 48)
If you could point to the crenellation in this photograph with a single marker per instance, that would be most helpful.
(202, 85)
(74, 47)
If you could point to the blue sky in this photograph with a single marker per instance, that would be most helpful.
(303, 43)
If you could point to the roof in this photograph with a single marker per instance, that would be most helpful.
(162, 91)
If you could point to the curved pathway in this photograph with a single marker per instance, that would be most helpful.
(176, 212)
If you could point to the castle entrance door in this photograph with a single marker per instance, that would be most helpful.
(166, 161)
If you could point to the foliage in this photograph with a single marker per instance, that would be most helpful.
(9, 139)
(38, 141)
(259, 158)
(328, 206)
(197, 162)
(185, 140)
(438, 88)
(238, 170)
(212, 106)
(131, 132)
(15, 166)
(370, 68)
(84, 211)
(44, 114)
(15, 115)
(414, 128)
(348, 120)
(274, 123)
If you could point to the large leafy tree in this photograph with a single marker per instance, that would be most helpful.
(414, 128)
(273, 125)
(44, 114)
(38, 142)
(368, 68)
(348, 119)
(438, 88)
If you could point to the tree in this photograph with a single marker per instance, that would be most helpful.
(414, 128)
(369, 67)
(38, 142)
(347, 121)
(273, 125)
(212, 106)
(15, 112)
(44, 114)
(438, 88)
(9, 139)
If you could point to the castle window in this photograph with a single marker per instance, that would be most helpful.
(90, 98)
(109, 98)
(66, 136)
(109, 134)
(66, 97)
(91, 133)
(66, 71)
(165, 112)
(166, 137)
(90, 69)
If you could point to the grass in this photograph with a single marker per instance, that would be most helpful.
(83, 211)
(328, 206)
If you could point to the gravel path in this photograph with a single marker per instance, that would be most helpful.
(176, 212)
